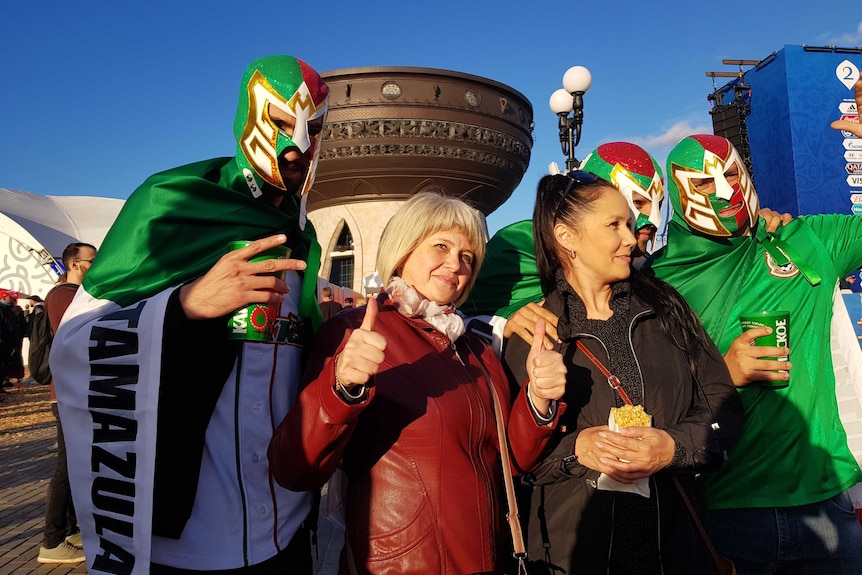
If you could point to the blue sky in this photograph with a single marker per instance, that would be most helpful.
(95, 95)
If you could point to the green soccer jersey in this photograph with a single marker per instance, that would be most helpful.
(793, 449)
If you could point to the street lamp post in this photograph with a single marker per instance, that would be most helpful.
(570, 98)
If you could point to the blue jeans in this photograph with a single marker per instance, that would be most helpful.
(823, 537)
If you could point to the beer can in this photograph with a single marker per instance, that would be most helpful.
(779, 321)
(257, 321)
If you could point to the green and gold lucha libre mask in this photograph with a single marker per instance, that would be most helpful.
(632, 171)
(710, 188)
(294, 88)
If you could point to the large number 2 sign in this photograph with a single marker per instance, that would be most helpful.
(848, 73)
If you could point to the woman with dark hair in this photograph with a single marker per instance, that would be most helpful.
(605, 501)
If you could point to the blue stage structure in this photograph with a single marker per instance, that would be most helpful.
(778, 114)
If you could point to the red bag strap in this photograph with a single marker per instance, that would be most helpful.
(613, 381)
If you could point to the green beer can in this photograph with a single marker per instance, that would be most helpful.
(257, 321)
(779, 321)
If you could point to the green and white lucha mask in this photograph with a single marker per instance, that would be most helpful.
(632, 171)
(710, 188)
(295, 88)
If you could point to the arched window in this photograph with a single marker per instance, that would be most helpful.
(341, 271)
(345, 240)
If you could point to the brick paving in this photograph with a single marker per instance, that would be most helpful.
(27, 431)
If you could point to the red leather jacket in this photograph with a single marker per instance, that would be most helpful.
(421, 453)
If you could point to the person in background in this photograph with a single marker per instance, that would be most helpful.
(638, 176)
(328, 307)
(851, 283)
(403, 394)
(40, 335)
(18, 361)
(780, 504)
(606, 500)
(187, 413)
(348, 302)
(12, 328)
(7, 340)
(61, 541)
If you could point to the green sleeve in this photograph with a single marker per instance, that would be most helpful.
(842, 236)
(508, 279)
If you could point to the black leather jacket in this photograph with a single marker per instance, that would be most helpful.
(570, 522)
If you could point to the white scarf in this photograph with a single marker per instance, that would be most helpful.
(410, 303)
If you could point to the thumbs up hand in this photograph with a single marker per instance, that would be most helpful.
(546, 371)
(363, 353)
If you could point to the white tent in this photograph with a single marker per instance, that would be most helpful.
(34, 231)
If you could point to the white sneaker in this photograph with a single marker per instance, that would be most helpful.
(75, 540)
(62, 553)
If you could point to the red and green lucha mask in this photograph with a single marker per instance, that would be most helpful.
(632, 171)
(293, 87)
(710, 188)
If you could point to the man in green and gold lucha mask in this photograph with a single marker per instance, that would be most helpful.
(713, 192)
(196, 409)
(279, 119)
(780, 503)
(638, 176)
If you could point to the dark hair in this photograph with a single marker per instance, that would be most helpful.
(72, 252)
(569, 199)
(561, 198)
(676, 317)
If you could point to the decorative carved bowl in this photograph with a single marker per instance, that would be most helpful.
(393, 130)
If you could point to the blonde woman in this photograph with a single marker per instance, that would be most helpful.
(402, 395)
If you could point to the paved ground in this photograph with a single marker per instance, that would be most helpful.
(27, 431)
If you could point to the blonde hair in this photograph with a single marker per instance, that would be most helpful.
(424, 214)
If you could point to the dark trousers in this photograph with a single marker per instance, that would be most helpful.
(295, 559)
(60, 519)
